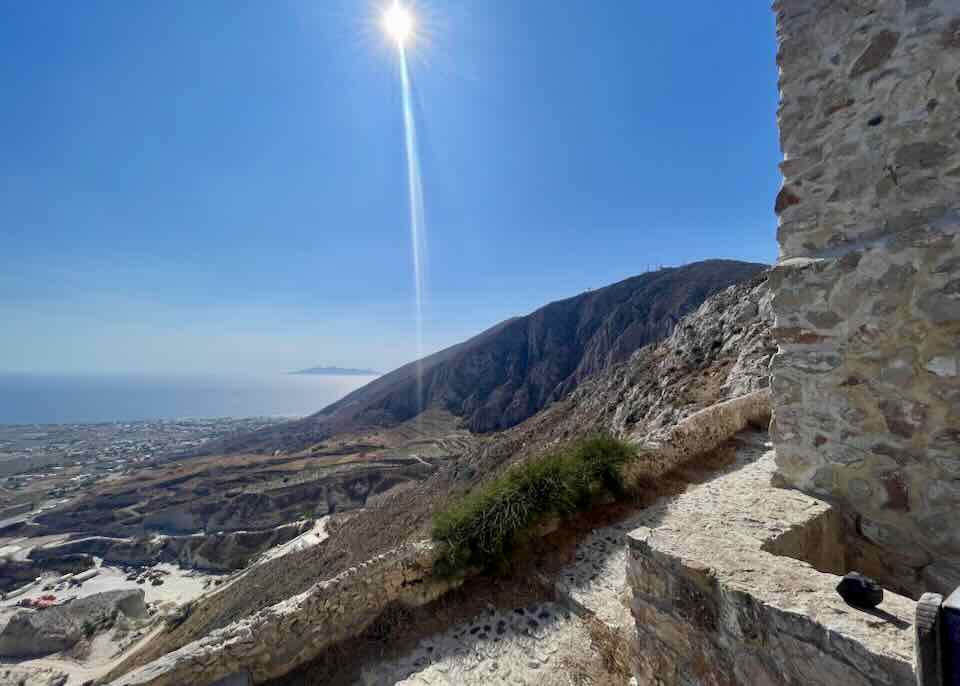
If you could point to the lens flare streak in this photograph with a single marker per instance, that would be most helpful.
(417, 224)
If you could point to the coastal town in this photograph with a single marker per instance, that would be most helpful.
(102, 602)
(42, 465)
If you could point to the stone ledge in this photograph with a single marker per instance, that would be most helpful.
(713, 606)
(699, 434)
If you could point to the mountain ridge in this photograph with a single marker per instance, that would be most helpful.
(514, 369)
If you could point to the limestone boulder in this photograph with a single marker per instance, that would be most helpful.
(42, 632)
(31, 676)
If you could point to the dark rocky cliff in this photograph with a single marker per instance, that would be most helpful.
(513, 370)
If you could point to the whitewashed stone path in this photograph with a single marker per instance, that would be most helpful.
(536, 645)
(597, 580)
(520, 646)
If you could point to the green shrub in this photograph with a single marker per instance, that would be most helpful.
(482, 528)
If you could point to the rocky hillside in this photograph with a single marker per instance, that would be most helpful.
(720, 350)
(512, 371)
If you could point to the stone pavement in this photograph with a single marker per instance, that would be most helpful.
(538, 644)
(526, 645)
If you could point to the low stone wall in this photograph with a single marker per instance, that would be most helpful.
(713, 607)
(700, 433)
(273, 641)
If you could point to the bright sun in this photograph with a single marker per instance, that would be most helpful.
(398, 22)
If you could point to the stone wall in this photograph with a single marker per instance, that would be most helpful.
(866, 391)
(275, 640)
(716, 603)
(697, 435)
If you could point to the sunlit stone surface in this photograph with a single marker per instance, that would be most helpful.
(866, 395)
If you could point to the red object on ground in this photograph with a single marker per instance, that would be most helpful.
(39, 603)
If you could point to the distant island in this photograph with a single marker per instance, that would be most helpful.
(338, 371)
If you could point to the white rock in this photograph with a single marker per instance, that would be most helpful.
(943, 365)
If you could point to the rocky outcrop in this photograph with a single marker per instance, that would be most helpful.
(721, 351)
(215, 552)
(259, 496)
(510, 372)
(15, 573)
(43, 632)
(31, 676)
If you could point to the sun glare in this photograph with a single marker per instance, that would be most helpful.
(398, 23)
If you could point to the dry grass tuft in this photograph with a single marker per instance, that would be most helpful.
(481, 529)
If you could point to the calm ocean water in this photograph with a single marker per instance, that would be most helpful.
(53, 399)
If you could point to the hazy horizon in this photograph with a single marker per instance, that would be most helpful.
(115, 397)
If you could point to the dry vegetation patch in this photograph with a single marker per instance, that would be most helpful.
(482, 528)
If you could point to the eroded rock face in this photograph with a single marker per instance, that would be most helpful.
(720, 351)
(216, 552)
(241, 502)
(15, 573)
(55, 629)
(867, 293)
(31, 676)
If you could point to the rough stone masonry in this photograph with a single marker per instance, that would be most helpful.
(866, 386)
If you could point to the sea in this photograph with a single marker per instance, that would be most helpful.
(76, 399)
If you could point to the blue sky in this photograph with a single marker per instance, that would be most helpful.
(219, 185)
